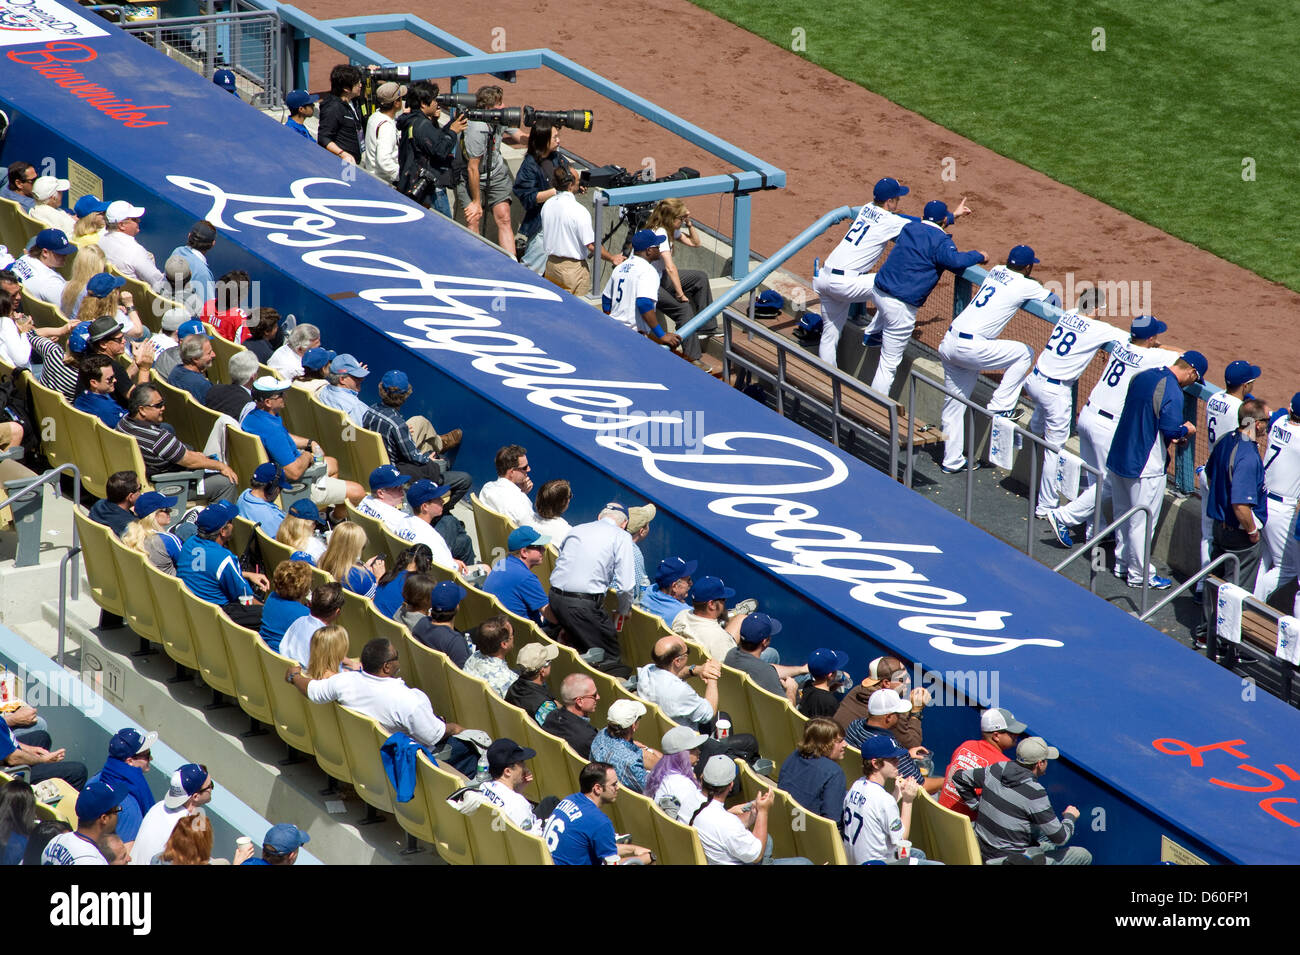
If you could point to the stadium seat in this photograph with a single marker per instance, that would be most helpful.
(169, 596)
(297, 414)
(246, 667)
(754, 710)
(368, 776)
(327, 739)
(219, 370)
(47, 408)
(525, 847)
(44, 314)
(333, 431)
(469, 701)
(377, 536)
(450, 826)
(273, 553)
(241, 536)
(638, 637)
(794, 830)
(288, 706)
(675, 843)
(193, 422)
(368, 452)
(943, 834)
(364, 623)
(82, 431)
(13, 234)
(556, 765)
(101, 566)
(428, 671)
(244, 452)
(210, 644)
(414, 815)
(544, 569)
(140, 611)
(493, 529)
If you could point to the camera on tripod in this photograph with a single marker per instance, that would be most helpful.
(581, 120)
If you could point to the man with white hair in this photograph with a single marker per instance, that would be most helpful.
(237, 397)
(593, 558)
(286, 361)
(124, 251)
(48, 193)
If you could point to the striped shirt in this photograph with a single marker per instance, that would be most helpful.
(858, 732)
(159, 448)
(1015, 812)
(55, 375)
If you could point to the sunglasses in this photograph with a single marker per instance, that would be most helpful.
(159, 404)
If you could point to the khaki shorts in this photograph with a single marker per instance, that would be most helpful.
(328, 491)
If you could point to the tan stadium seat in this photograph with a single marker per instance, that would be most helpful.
(170, 596)
(193, 422)
(44, 314)
(376, 537)
(101, 566)
(368, 776)
(368, 452)
(219, 370)
(556, 765)
(364, 623)
(414, 815)
(244, 452)
(493, 529)
(794, 830)
(327, 739)
(944, 835)
(525, 848)
(450, 826)
(13, 233)
(273, 553)
(288, 705)
(673, 842)
(48, 408)
(333, 431)
(210, 644)
(754, 710)
(120, 452)
(82, 431)
(429, 671)
(141, 612)
(640, 632)
(469, 701)
(297, 414)
(246, 668)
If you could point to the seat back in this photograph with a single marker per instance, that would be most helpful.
(141, 613)
(244, 452)
(327, 739)
(944, 835)
(493, 529)
(334, 431)
(169, 596)
(640, 632)
(469, 700)
(82, 432)
(450, 826)
(429, 670)
(13, 234)
(118, 451)
(794, 830)
(101, 566)
(754, 710)
(297, 415)
(414, 815)
(44, 314)
(219, 370)
(675, 843)
(210, 644)
(543, 570)
(246, 668)
(288, 705)
(368, 774)
(193, 422)
(48, 407)
(376, 542)
(367, 450)
(273, 553)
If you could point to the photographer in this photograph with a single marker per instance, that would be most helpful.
(485, 179)
(341, 129)
(534, 187)
(568, 236)
(426, 149)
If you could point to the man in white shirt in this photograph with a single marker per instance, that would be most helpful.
(428, 502)
(735, 836)
(48, 193)
(508, 494)
(127, 255)
(506, 761)
(663, 682)
(971, 346)
(380, 155)
(326, 605)
(286, 361)
(873, 824)
(708, 598)
(384, 502)
(1282, 477)
(568, 237)
(191, 788)
(97, 808)
(593, 558)
(36, 269)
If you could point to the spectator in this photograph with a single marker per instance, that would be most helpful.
(104, 296)
(202, 237)
(734, 836)
(535, 186)
(638, 526)
(506, 761)
(22, 177)
(567, 236)
(191, 374)
(15, 347)
(95, 390)
(97, 810)
(290, 583)
(530, 692)
(236, 398)
(1013, 812)
(683, 293)
(38, 269)
(165, 338)
(329, 653)
(663, 681)
(226, 80)
(553, 500)
(340, 129)
(113, 849)
(148, 532)
(124, 251)
(884, 708)
(326, 604)
(282, 841)
(812, 774)
(817, 698)
(212, 572)
(429, 610)
(171, 358)
(115, 509)
(508, 494)
(412, 443)
(513, 582)
(180, 285)
(384, 502)
(17, 820)
(594, 558)
(998, 732)
(129, 756)
(189, 790)
(106, 338)
(342, 560)
(223, 308)
(572, 721)
(756, 632)
(447, 541)
(378, 692)
(162, 451)
(302, 107)
(45, 831)
(672, 783)
(34, 750)
(315, 370)
(426, 148)
(48, 193)
(578, 833)
(495, 638)
(886, 673)
(286, 361)
(86, 264)
(708, 598)
(190, 843)
(417, 558)
(485, 182)
(61, 365)
(380, 155)
(265, 333)
(258, 502)
(615, 745)
(344, 389)
(874, 821)
(91, 224)
(300, 529)
(672, 582)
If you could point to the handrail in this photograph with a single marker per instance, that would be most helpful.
(71, 555)
(1200, 575)
(1090, 546)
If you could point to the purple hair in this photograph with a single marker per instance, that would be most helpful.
(679, 763)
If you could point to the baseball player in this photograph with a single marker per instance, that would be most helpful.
(922, 251)
(1282, 481)
(1075, 338)
(970, 346)
(846, 278)
(1139, 455)
(1221, 419)
(630, 295)
(1098, 417)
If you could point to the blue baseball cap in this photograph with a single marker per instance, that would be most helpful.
(345, 364)
(216, 516)
(226, 80)
(303, 556)
(769, 302)
(1295, 404)
(192, 327)
(937, 211)
(151, 501)
(757, 627)
(101, 285)
(1198, 362)
(823, 662)
(268, 472)
(284, 838)
(317, 358)
(1239, 372)
(395, 380)
(1021, 255)
(387, 476)
(645, 239)
(185, 782)
(889, 188)
(425, 490)
(882, 747)
(297, 99)
(304, 508)
(709, 588)
(1146, 326)
(95, 800)
(53, 240)
(79, 338)
(130, 742)
(525, 537)
(88, 204)
(447, 595)
(673, 569)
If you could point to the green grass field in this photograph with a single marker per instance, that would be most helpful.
(1157, 124)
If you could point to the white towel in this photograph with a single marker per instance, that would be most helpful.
(1068, 474)
(1228, 615)
(1288, 640)
(1003, 443)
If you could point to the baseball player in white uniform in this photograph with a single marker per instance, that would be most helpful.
(1099, 416)
(971, 346)
(846, 278)
(1221, 419)
(630, 295)
(1282, 481)
(1074, 340)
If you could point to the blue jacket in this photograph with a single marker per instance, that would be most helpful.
(530, 180)
(1138, 427)
(398, 756)
(920, 254)
(211, 572)
(1244, 485)
(816, 783)
(103, 407)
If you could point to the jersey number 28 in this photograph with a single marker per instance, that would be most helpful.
(1061, 341)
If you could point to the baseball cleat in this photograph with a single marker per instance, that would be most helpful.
(873, 339)
(1060, 530)
(1013, 414)
(1157, 583)
(958, 470)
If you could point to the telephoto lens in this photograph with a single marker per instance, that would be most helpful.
(581, 120)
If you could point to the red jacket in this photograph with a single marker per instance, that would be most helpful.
(969, 755)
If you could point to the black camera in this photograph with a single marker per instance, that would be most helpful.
(580, 119)
(389, 74)
(456, 100)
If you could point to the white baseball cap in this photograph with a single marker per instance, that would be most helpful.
(269, 386)
(994, 720)
(883, 702)
(46, 186)
(120, 211)
(623, 713)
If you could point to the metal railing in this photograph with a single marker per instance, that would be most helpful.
(1203, 573)
(1093, 546)
(73, 551)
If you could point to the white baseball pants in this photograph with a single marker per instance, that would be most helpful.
(1051, 420)
(895, 322)
(837, 293)
(1126, 493)
(963, 360)
(1095, 435)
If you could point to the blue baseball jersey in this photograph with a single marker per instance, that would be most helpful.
(211, 572)
(1245, 484)
(1138, 449)
(578, 833)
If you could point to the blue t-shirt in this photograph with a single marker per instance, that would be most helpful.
(103, 407)
(360, 581)
(190, 380)
(388, 597)
(517, 587)
(578, 833)
(277, 615)
(666, 608)
(7, 741)
(211, 572)
(301, 130)
(275, 436)
(260, 511)
(1246, 486)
